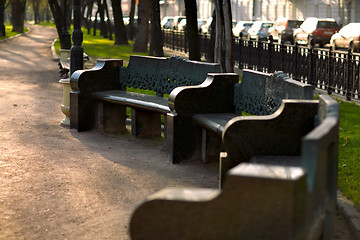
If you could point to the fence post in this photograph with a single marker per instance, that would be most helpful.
(330, 79)
(310, 78)
(185, 42)
(349, 75)
(295, 54)
(240, 43)
(173, 39)
(271, 49)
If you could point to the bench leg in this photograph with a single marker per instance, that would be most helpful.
(111, 118)
(145, 124)
(181, 138)
(211, 146)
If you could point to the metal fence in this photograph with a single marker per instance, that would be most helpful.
(332, 71)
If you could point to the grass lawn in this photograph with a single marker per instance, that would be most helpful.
(349, 151)
(349, 132)
(9, 33)
(100, 47)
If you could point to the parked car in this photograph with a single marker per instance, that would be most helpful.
(205, 28)
(242, 28)
(283, 30)
(167, 22)
(182, 24)
(259, 30)
(347, 37)
(177, 20)
(314, 30)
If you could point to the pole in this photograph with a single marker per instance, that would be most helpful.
(76, 59)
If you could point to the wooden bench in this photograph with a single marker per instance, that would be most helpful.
(270, 196)
(99, 96)
(258, 94)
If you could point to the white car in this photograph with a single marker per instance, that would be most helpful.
(347, 37)
(259, 30)
(242, 28)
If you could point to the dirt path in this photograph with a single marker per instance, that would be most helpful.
(57, 183)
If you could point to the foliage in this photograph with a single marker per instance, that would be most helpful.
(349, 151)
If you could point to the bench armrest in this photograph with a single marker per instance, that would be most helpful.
(278, 134)
(104, 76)
(214, 95)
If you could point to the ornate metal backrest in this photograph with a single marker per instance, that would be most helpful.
(261, 93)
(162, 75)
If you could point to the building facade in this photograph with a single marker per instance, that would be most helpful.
(343, 11)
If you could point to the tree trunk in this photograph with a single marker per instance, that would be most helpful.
(120, 30)
(103, 29)
(88, 16)
(224, 38)
(36, 8)
(156, 43)
(59, 20)
(211, 48)
(192, 30)
(142, 35)
(18, 15)
(228, 37)
(131, 27)
(96, 22)
(2, 18)
(219, 54)
(109, 31)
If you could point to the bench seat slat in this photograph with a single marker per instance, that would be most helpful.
(293, 161)
(135, 100)
(214, 122)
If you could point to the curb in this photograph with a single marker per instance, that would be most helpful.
(56, 57)
(350, 213)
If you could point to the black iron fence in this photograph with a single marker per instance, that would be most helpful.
(332, 71)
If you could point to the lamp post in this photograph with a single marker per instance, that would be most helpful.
(75, 54)
(76, 59)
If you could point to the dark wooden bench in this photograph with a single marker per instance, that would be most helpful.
(258, 94)
(272, 195)
(100, 95)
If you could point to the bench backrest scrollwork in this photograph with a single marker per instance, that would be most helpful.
(162, 75)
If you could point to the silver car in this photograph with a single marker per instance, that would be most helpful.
(259, 30)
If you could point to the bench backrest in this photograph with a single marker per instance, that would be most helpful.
(261, 93)
(319, 157)
(162, 75)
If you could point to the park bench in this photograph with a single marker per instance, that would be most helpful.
(100, 96)
(257, 94)
(272, 195)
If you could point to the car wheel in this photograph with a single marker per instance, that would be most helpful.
(352, 47)
(333, 45)
(296, 40)
(310, 42)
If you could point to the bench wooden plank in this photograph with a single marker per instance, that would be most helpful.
(292, 161)
(136, 100)
(213, 122)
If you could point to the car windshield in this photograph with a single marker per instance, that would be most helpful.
(248, 24)
(267, 25)
(294, 24)
(327, 24)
